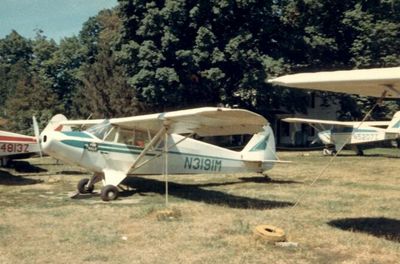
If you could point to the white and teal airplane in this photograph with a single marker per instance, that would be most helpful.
(351, 133)
(383, 83)
(161, 144)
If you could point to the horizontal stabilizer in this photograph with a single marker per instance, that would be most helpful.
(394, 126)
(269, 161)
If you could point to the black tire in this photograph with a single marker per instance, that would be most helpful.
(83, 186)
(109, 193)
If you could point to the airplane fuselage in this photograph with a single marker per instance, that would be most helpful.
(13, 145)
(188, 157)
(349, 135)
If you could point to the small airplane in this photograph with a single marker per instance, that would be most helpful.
(383, 83)
(18, 146)
(351, 133)
(161, 144)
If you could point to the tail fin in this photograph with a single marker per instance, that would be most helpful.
(54, 124)
(394, 125)
(261, 146)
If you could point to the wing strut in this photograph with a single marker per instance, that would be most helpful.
(391, 88)
(162, 132)
(340, 149)
(161, 153)
(155, 139)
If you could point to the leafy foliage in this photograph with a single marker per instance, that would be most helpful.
(159, 55)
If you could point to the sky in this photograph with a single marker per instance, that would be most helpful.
(57, 18)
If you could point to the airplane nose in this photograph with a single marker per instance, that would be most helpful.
(325, 137)
(46, 143)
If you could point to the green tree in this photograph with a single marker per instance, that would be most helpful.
(15, 59)
(184, 53)
(104, 91)
(33, 98)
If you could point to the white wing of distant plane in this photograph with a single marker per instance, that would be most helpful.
(369, 82)
(337, 123)
(206, 121)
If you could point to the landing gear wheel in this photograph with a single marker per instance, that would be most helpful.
(109, 193)
(329, 152)
(83, 186)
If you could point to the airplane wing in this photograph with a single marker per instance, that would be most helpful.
(369, 82)
(336, 123)
(206, 121)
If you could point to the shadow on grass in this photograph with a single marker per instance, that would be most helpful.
(72, 172)
(7, 178)
(263, 179)
(195, 192)
(377, 226)
(25, 167)
(366, 156)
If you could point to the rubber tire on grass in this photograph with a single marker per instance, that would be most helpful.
(83, 187)
(109, 193)
(270, 233)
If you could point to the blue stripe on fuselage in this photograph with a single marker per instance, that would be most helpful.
(130, 149)
(76, 134)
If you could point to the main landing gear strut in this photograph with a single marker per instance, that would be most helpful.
(108, 192)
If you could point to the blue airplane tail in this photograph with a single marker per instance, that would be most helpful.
(394, 125)
(261, 146)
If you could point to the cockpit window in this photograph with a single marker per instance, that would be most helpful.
(100, 130)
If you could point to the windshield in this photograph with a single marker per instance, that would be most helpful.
(100, 130)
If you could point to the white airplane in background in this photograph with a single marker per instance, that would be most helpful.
(161, 144)
(382, 83)
(18, 146)
(351, 133)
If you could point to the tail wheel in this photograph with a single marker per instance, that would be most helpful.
(109, 193)
(83, 186)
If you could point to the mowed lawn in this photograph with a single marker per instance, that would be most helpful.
(350, 215)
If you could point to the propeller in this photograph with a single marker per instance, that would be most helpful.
(315, 140)
(37, 134)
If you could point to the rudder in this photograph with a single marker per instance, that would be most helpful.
(261, 146)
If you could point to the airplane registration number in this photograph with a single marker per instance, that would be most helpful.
(365, 137)
(202, 164)
(18, 148)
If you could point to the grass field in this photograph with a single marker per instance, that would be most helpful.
(350, 215)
